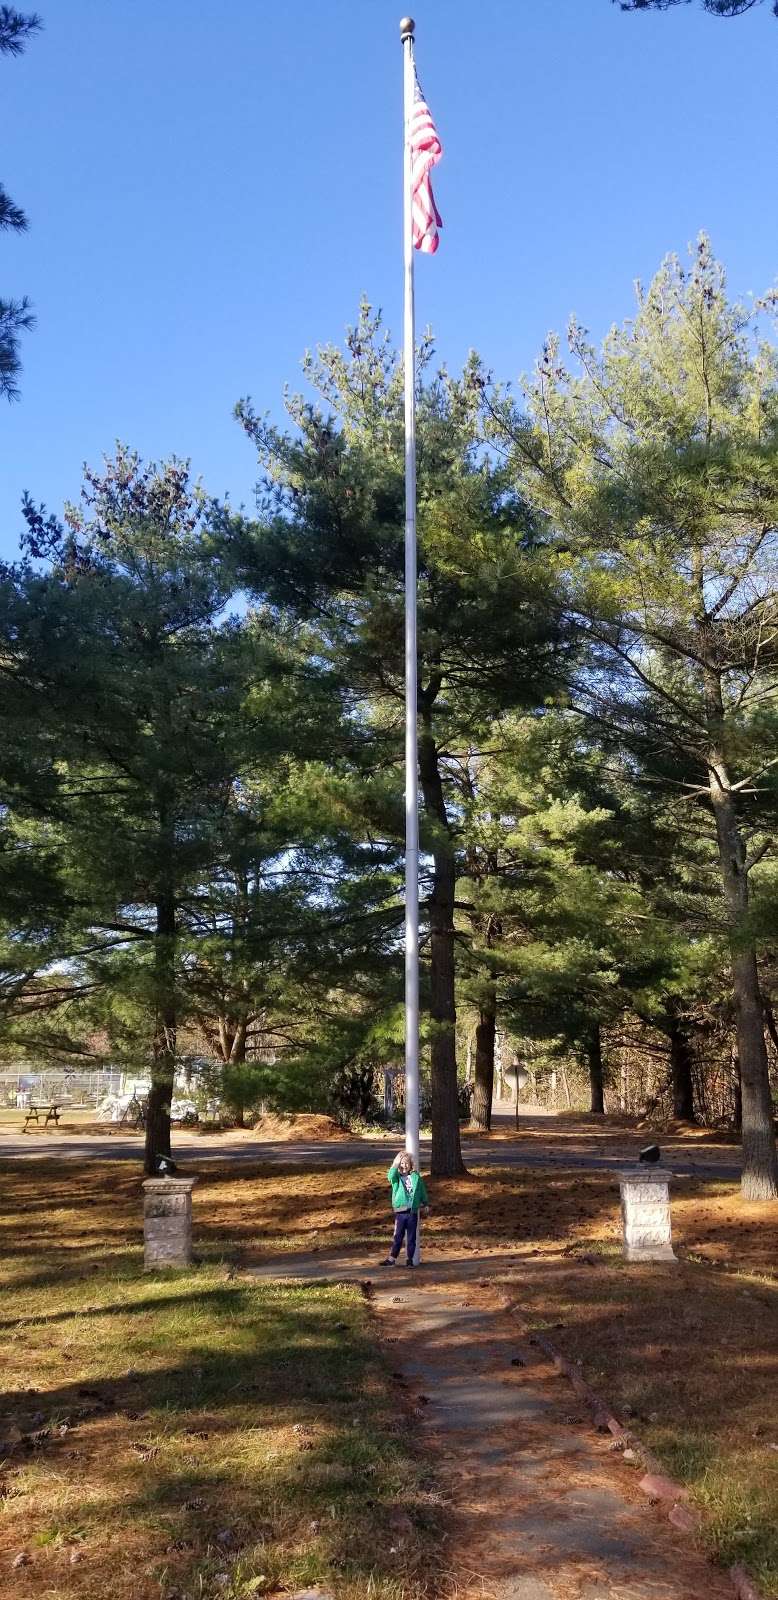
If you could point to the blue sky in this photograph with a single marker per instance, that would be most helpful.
(211, 187)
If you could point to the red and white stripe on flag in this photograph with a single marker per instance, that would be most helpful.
(426, 151)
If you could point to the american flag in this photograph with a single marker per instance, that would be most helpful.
(426, 151)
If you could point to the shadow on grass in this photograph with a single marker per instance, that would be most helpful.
(688, 1356)
(262, 1413)
(98, 1205)
(305, 1347)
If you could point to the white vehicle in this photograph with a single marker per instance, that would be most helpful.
(183, 1111)
(114, 1107)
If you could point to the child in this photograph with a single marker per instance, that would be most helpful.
(409, 1197)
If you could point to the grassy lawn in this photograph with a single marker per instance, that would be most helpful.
(689, 1360)
(687, 1355)
(200, 1434)
(72, 1120)
(189, 1435)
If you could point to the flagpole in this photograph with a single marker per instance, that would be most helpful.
(407, 27)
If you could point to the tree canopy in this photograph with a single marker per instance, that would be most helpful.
(201, 776)
(715, 8)
(657, 461)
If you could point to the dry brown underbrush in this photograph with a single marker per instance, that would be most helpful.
(298, 1127)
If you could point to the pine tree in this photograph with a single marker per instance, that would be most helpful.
(657, 464)
(557, 907)
(41, 928)
(143, 689)
(192, 832)
(328, 548)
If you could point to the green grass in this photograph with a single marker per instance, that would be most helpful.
(194, 1435)
(220, 1405)
(686, 1357)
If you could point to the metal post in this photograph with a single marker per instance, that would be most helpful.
(411, 694)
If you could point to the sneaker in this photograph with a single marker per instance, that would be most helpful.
(389, 1262)
(410, 1263)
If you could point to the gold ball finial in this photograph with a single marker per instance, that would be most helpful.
(407, 28)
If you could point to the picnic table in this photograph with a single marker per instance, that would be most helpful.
(35, 1112)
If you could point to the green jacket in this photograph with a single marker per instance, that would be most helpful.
(401, 1200)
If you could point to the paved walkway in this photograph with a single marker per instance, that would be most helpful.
(541, 1508)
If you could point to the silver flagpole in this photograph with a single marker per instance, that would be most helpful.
(411, 751)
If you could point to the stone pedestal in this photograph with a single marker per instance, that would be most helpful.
(167, 1222)
(645, 1215)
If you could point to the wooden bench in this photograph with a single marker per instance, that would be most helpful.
(35, 1112)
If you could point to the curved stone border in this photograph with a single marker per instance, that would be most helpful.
(655, 1484)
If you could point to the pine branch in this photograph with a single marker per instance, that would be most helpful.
(11, 215)
(15, 318)
(16, 29)
(714, 8)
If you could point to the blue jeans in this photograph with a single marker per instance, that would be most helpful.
(405, 1225)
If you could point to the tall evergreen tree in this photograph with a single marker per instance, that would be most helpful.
(567, 936)
(657, 462)
(42, 930)
(182, 807)
(145, 688)
(298, 912)
(328, 548)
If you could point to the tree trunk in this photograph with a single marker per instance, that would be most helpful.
(238, 1041)
(446, 1159)
(163, 1047)
(680, 1065)
(483, 1094)
(596, 1073)
(737, 1091)
(238, 1056)
(760, 1161)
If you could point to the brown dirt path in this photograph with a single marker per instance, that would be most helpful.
(541, 1507)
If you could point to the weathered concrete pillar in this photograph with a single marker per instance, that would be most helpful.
(167, 1222)
(645, 1215)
